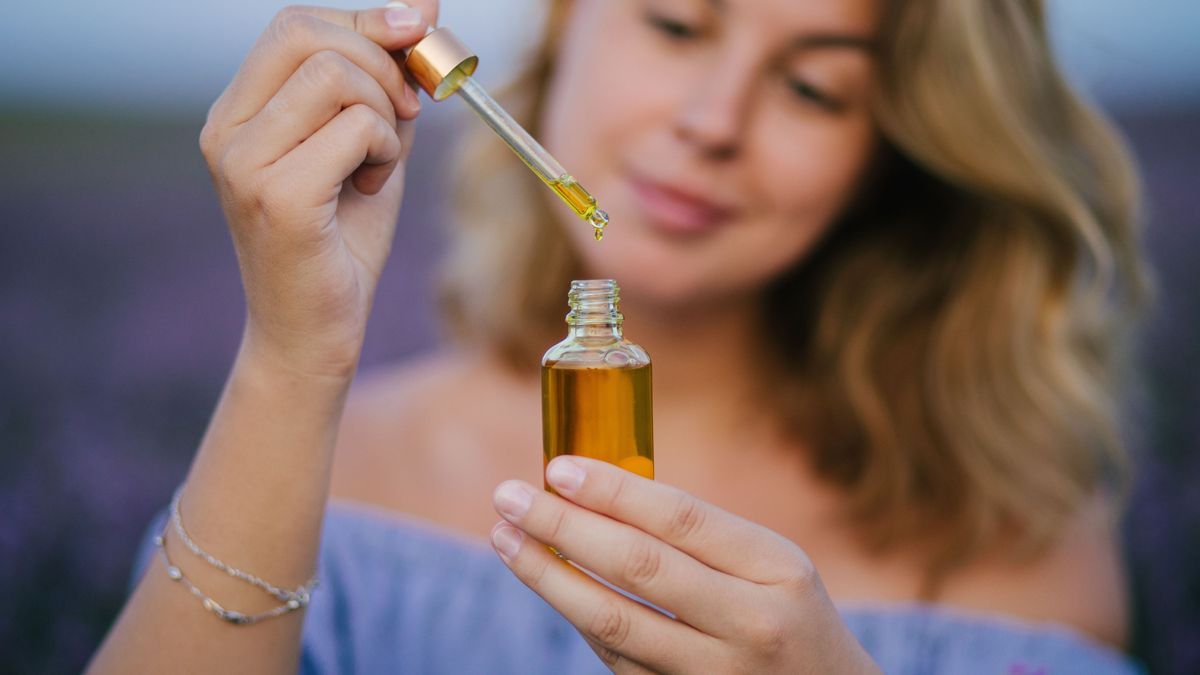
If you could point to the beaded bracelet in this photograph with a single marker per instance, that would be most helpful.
(292, 600)
(279, 593)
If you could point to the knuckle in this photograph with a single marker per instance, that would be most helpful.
(617, 492)
(608, 656)
(395, 147)
(224, 166)
(270, 195)
(611, 625)
(643, 564)
(687, 518)
(802, 575)
(383, 68)
(358, 21)
(287, 11)
(537, 573)
(557, 525)
(209, 143)
(326, 68)
(293, 25)
(364, 118)
(765, 634)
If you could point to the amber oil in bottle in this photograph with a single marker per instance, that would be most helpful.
(596, 386)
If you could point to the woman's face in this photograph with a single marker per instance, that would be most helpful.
(723, 137)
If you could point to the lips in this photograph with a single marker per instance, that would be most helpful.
(679, 210)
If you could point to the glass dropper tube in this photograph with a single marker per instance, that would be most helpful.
(443, 65)
(537, 158)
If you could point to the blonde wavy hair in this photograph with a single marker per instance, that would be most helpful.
(952, 351)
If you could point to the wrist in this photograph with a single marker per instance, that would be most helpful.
(264, 360)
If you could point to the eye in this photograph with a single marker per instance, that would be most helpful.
(672, 28)
(808, 93)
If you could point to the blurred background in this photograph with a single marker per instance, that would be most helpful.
(120, 304)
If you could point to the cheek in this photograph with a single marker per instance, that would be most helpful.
(588, 102)
(802, 186)
(799, 189)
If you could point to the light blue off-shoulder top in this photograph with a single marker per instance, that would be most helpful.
(400, 596)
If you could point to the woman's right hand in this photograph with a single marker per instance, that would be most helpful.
(306, 148)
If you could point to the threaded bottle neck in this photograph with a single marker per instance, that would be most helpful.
(594, 304)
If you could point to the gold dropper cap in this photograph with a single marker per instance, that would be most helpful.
(440, 62)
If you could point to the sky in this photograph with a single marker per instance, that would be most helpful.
(163, 56)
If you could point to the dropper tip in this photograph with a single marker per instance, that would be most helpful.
(598, 220)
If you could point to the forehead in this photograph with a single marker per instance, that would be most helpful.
(858, 17)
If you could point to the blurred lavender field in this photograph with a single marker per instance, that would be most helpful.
(120, 312)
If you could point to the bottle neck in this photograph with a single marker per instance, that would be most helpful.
(594, 310)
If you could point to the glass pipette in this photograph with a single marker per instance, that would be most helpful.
(443, 65)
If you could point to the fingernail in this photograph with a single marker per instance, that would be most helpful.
(513, 498)
(401, 17)
(565, 474)
(507, 541)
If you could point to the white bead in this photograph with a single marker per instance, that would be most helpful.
(175, 573)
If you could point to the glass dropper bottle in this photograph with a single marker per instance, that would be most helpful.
(442, 65)
(597, 386)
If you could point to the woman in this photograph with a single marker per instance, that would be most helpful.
(878, 251)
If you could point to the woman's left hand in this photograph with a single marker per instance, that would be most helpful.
(745, 599)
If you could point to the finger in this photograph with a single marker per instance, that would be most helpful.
(427, 10)
(364, 37)
(627, 557)
(711, 535)
(602, 615)
(430, 9)
(356, 137)
(615, 662)
(322, 87)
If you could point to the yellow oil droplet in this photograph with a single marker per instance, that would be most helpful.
(599, 221)
(642, 466)
(581, 202)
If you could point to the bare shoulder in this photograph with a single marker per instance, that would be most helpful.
(390, 414)
(432, 436)
(1078, 582)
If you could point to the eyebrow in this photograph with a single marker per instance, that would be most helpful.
(819, 40)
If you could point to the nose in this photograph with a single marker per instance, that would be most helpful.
(714, 114)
